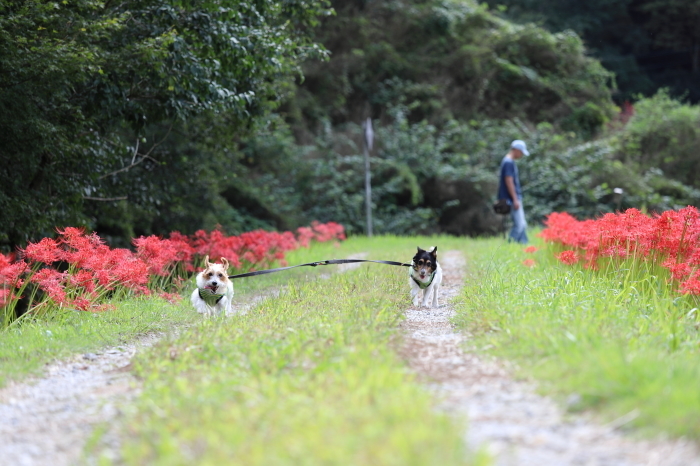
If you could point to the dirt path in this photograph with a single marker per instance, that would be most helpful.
(48, 420)
(517, 426)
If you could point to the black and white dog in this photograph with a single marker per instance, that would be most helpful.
(425, 274)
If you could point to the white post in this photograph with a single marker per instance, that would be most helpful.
(367, 146)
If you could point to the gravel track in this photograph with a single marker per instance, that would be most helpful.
(48, 420)
(506, 416)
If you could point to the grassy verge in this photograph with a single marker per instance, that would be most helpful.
(308, 377)
(27, 347)
(617, 340)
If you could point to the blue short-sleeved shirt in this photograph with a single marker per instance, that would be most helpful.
(508, 168)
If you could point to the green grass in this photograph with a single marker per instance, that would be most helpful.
(27, 347)
(618, 338)
(310, 377)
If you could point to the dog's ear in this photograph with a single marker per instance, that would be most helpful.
(225, 262)
(206, 261)
(433, 251)
(420, 250)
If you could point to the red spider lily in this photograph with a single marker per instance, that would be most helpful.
(84, 279)
(304, 236)
(94, 267)
(47, 251)
(52, 283)
(529, 262)
(172, 298)
(7, 296)
(568, 257)
(328, 231)
(691, 286)
(10, 272)
(217, 245)
(181, 244)
(679, 270)
(158, 253)
(129, 271)
(530, 249)
(671, 239)
(82, 251)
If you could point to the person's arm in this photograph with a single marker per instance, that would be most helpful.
(510, 184)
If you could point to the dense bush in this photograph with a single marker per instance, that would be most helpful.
(445, 59)
(648, 44)
(447, 83)
(663, 134)
(90, 91)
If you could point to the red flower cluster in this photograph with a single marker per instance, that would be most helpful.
(77, 270)
(671, 239)
(529, 262)
(568, 257)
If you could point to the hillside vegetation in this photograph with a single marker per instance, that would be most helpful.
(130, 124)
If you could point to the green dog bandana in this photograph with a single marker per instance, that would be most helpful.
(209, 296)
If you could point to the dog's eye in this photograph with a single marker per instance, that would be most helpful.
(221, 275)
(209, 274)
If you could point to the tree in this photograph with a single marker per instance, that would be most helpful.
(674, 24)
(648, 44)
(82, 82)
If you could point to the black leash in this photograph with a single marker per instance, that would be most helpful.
(314, 264)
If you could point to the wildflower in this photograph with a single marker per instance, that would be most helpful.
(10, 272)
(679, 270)
(158, 253)
(47, 251)
(51, 282)
(691, 286)
(172, 298)
(81, 303)
(529, 262)
(7, 296)
(304, 236)
(568, 257)
(530, 249)
(84, 279)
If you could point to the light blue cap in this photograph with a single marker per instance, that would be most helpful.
(520, 145)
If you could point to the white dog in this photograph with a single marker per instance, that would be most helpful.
(425, 274)
(214, 291)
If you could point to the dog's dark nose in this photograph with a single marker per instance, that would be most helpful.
(214, 284)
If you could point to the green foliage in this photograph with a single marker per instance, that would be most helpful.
(151, 117)
(445, 59)
(421, 176)
(652, 159)
(663, 134)
(89, 90)
(587, 119)
(648, 44)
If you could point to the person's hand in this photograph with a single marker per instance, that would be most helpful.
(516, 204)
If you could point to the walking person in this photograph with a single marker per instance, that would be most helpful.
(510, 190)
